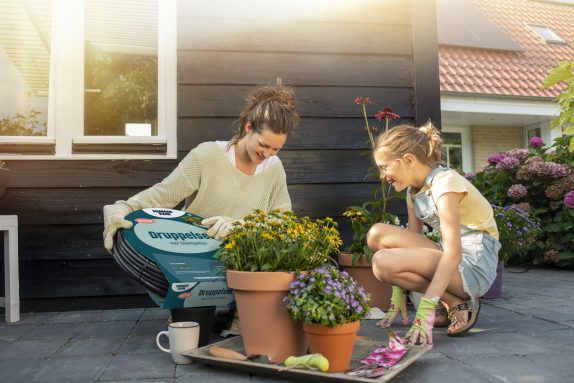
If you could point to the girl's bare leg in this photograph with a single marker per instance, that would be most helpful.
(404, 258)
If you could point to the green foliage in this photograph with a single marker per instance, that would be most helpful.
(519, 231)
(537, 179)
(362, 218)
(563, 73)
(22, 125)
(279, 241)
(327, 296)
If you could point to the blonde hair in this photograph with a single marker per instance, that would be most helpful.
(268, 107)
(425, 143)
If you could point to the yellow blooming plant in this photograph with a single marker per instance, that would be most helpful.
(279, 241)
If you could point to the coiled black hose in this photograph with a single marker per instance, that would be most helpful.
(146, 272)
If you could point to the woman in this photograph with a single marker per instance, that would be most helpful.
(225, 180)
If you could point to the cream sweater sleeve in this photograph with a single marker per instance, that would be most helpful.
(183, 181)
(281, 198)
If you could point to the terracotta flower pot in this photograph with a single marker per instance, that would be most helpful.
(334, 343)
(266, 325)
(362, 272)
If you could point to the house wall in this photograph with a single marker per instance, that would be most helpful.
(329, 57)
(487, 140)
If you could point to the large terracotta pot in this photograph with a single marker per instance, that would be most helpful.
(334, 343)
(362, 272)
(266, 325)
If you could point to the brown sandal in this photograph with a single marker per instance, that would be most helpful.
(442, 311)
(473, 310)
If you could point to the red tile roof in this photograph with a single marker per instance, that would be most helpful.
(471, 70)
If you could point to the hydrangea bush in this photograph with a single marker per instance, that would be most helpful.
(541, 178)
(327, 296)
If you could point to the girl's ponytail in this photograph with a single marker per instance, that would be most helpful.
(434, 150)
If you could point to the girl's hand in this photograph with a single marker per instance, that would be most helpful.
(421, 329)
(398, 304)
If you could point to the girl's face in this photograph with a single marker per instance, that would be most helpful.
(392, 170)
(262, 145)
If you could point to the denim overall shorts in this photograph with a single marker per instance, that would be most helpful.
(479, 249)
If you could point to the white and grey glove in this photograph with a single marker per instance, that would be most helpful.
(113, 220)
(219, 226)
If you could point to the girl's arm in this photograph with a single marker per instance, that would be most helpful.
(448, 210)
(415, 224)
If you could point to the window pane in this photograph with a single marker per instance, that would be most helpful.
(121, 68)
(451, 138)
(24, 67)
(455, 158)
(533, 133)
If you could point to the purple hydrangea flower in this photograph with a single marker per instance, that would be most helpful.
(536, 142)
(569, 199)
(517, 191)
(555, 170)
(521, 154)
(496, 158)
(469, 174)
(507, 163)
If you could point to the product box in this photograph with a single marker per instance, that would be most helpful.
(177, 242)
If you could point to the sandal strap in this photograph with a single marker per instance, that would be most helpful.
(465, 306)
(441, 310)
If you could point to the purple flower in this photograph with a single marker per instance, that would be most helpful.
(517, 191)
(569, 199)
(521, 154)
(555, 170)
(536, 142)
(507, 163)
(469, 174)
(496, 158)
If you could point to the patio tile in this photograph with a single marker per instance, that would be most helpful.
(199, 372)
(146, 327)
(435, 367)
(140, 366)
(10, 333)
(122, 315)
(19, 370)
(516, 369)
(32, 348)
(90, 346)
(72, 369)
(54, 331)
(78, 317)
(106, 329)
(138, 344)
(155, 313)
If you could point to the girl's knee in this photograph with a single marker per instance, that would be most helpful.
(375, 235)
(382, 267)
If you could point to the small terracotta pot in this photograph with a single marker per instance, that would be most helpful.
(266, 325)
(362, 272)
(334, 343)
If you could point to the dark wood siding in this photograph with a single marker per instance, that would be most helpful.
(329, 57)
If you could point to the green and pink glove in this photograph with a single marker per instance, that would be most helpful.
(398, 304)
(421, 330)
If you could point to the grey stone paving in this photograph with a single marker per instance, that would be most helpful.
(527, 335)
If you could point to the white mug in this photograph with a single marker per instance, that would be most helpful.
(183, 336)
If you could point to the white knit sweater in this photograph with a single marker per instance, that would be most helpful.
(212, 186)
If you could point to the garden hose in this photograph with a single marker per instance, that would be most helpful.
(146, 272)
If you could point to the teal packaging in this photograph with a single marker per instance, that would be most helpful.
(177, 242)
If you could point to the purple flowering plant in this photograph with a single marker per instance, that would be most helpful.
(542, 177)
(518, 231)
(327, 296)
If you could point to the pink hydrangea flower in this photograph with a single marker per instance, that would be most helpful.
(517, 191)
(496, 158)
(569, 199)
(536, 142)
(507, 163)
(521, 154)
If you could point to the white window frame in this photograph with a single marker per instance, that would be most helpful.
(466, 144)
(66, 103)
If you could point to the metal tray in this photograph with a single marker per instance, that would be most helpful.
(261, 366)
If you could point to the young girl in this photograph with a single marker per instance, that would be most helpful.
(455, 272)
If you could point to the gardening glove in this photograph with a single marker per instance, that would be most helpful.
(421, 329)
(219, 226)
(398, 304)
(114, 220)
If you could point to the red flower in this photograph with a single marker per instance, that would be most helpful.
(362, 100)
(386, 114)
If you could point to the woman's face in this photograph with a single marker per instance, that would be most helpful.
(391, 170)
(262, 145)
